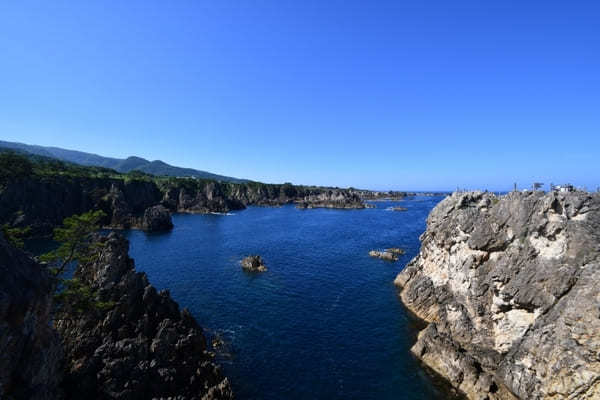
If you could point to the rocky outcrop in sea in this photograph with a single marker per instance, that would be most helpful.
(157, 218)
(384, 255)
(253, 264)
(509, 288)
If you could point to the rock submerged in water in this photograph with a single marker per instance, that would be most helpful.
(156, 219)
(509, 288)
(253, 264)
(395, 250)
(384, 255)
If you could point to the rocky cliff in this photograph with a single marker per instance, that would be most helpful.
(42, 202)
(509, 288)
(145, 347)
(332, 198)
(30, 352)
(142, 347)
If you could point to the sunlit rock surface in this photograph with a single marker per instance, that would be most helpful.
(509, 287)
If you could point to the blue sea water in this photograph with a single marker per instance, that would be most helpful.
(324, 322)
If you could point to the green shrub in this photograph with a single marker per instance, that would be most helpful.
(15, 236)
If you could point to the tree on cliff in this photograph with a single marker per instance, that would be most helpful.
(76, 245)
(15, 235)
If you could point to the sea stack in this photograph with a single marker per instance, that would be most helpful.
(156, 219)
(253, 264)
(509, 288)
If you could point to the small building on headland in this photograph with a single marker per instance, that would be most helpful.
(567, 187)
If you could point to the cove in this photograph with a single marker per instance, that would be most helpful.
(323, 322)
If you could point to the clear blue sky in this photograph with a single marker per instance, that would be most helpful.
(412, 95)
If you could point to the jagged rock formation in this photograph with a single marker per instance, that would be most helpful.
(253, 264)
(509, 287)
(43, 202)
(143, 348)
(333, 198)
(384, 255)
(30, 352)
(157, 218)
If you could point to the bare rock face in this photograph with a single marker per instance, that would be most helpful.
(157, 218)
(395, 250)
(509, 287)
(30, 352)
(253, 264)
(332, 199)
(384, 255)
(142, 348)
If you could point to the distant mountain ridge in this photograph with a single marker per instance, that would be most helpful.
(128, 164)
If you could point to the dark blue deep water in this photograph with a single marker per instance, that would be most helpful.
(324, 322)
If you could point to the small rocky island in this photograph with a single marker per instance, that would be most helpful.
(390, 254)
(156, 219)
(509, 288)
(253, 264)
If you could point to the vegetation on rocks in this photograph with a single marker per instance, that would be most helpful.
(40, 192)
(76, 245)
(15, 235)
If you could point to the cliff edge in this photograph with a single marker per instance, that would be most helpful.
(30, 351)
(141, 347)
(509, 288)
(144, 347)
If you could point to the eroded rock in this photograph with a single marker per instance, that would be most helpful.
(156, 219)
(509, 288)
(253, 264)
(384, 255)
(144, 347)
(333, 198)
(30, 352)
